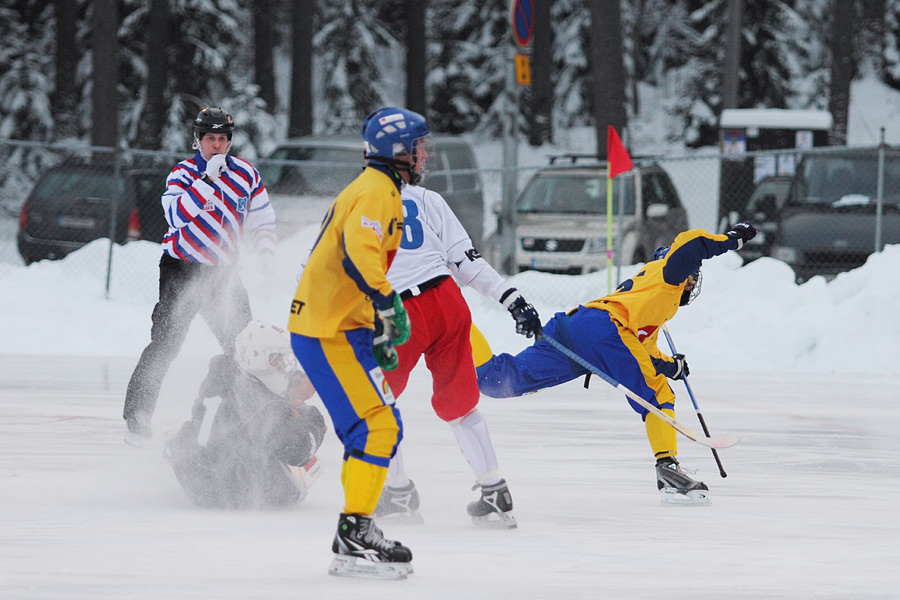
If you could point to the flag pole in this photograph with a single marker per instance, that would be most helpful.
(617, 161)
(609, 216)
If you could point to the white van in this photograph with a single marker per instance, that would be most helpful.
(561, 218)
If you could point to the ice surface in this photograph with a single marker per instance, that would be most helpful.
(808, 509)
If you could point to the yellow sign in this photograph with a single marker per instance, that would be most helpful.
(523, 69)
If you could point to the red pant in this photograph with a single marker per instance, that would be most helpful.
(441, 322)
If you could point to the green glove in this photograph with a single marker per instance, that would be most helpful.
(396, 321)
(383, 349)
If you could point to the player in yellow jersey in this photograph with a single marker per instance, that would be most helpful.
(344, 321)
(618, 334)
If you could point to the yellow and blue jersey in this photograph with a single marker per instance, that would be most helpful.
(645, 302)
(346, 269)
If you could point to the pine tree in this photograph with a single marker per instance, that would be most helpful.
(354, 50)
(468, 62)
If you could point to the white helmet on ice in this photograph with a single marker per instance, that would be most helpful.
(264, 351)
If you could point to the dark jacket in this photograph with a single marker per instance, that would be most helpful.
(235, 453)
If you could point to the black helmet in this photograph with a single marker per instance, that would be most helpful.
(213, 120)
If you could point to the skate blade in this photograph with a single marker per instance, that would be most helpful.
(412, 517)
(133, 439)
(352, 566)
(496, 521)
(673, 497)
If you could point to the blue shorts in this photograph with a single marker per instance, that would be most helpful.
(593, 335)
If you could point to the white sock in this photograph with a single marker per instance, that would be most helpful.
(474, 440)
(396, 475)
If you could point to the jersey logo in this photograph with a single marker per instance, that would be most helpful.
(374, 226)
(645, 332)
(242, 203)
(210, 206)
(296, 307)
(381, 384)
(472, 254)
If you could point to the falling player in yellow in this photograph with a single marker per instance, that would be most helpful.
(617, 334)
(344, 321)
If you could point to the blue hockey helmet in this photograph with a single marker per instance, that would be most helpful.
(660, 252)
(397, 137)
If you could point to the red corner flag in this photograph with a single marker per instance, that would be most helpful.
(616, 154)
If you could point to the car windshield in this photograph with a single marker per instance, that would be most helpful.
(778, 188)
(575, 192)
(841, 181)
(329, 171)
(78, 184)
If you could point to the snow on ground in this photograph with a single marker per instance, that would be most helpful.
(808, 508)
(805, 374)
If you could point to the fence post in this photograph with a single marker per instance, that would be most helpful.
(113, 217)
(879, 204)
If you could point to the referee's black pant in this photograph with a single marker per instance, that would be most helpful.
(186, 288)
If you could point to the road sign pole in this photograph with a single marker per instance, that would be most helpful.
(518, 72)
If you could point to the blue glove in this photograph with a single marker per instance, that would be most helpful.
(676, 369)
(742, 232)
(528, 323)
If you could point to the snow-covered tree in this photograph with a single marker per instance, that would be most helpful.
(356, 55)
(467, 68)
(26, 72)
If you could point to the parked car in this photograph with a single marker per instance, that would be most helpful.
(829, 221)
(762, 209)
(71, 205)
(561, 217)
(303, 176)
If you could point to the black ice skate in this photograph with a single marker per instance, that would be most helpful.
(139, 429)
(676, 488)
(360, 550)
(402, 502)
(494, 508)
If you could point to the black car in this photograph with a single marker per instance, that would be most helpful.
(832, 219)
(762, 210)
(71, 206)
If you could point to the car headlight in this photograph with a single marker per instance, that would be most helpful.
(595, 245)
(787, 254)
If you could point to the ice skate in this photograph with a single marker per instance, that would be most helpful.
(360, 550)
(402, 503)
(676, 488)
(494, 508)
(139, 430)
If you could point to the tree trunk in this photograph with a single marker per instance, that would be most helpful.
(637, 56)
(105, 74)
(731, 77)
(842, 70)
(541, 113)
(873, 32)
(65, 99)
(301, 117)
(263, 53)
(151, 125)
(416, 41)
(607, 70)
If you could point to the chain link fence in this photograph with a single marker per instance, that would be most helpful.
(821, 212)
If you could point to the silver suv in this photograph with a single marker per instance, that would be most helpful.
(303, 176)
(561, 217)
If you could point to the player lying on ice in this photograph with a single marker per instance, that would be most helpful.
(618, 335)
(251, 441)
